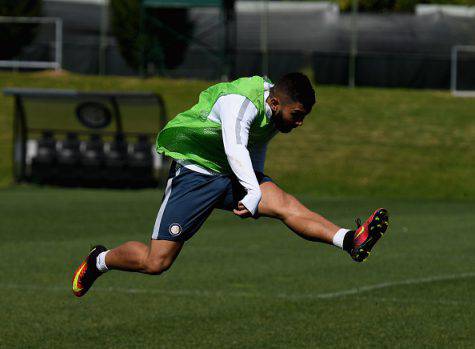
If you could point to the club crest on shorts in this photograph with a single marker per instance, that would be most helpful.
(175, 229)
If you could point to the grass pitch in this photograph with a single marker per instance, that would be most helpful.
(237, 283)
(356, 142)
(253, 284)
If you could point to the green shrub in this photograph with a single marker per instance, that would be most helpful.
(162, 40)
(405, 5)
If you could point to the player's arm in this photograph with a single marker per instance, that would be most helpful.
(237, 114)
(258, 157)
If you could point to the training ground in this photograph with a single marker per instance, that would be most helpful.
(254, 284)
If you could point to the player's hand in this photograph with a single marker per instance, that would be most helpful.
(242, 211)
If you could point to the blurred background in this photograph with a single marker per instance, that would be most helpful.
(391, 43)
(97, 45)
(85, 86)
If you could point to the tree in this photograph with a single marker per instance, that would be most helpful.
(162, 40)
(14, 37)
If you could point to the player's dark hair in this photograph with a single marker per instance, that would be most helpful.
(297, 87)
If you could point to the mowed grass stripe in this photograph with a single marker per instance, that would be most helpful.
(286, 296)
(235, 271)
(356, 142)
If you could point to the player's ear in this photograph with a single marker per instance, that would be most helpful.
(274, 103)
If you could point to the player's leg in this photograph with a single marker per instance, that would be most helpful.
(132, 256)
(189, 199)
(276, 203)
(135, 256)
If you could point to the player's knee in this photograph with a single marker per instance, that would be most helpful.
(287, 207)
(157, 266)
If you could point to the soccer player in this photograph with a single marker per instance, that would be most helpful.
(218, 149)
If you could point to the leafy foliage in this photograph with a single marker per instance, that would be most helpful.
(162, 40)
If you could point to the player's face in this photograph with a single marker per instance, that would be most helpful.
(288, 116)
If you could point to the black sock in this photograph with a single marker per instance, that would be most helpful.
(348, 240)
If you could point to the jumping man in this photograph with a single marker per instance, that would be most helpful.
(218, 149)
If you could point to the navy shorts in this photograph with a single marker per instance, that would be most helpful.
(189, 199)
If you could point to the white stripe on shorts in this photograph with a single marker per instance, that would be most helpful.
(168, 191)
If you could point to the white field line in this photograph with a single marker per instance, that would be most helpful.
(415, 281)
(416, 301)
(287, 296)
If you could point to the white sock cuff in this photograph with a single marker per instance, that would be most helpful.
(101, 261)
(339, 237)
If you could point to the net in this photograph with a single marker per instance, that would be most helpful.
(45, 51)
